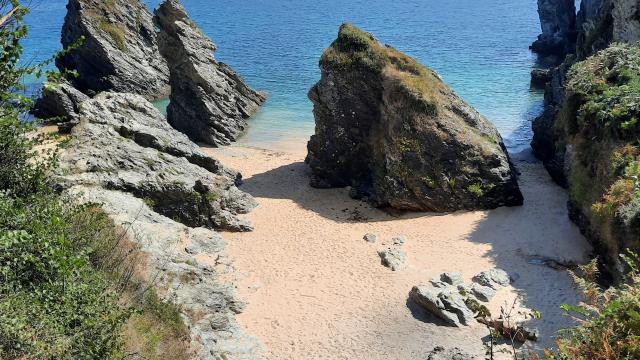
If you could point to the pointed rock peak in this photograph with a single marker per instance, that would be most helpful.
(209, 102)
(119, 52)
(391, 129)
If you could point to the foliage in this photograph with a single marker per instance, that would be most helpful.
(609, 320)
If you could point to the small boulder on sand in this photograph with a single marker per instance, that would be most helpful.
(393, 258)
(443, 301)
(492, 277)
(369, 237)
(451, 278)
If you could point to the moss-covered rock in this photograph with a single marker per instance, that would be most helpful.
(597, 130)
(391, 129)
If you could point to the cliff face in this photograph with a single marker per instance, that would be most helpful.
(119, 52)
(602, 22)
(557, 21)
(209, 102)
(573, 141)
(398, 135)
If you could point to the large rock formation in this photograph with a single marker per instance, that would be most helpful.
(119, 52)
(209, 102)
(124, 143)
(397, 134)
(603, 22)
(557, 21)
(573, 150)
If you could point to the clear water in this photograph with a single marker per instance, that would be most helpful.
(479, 47)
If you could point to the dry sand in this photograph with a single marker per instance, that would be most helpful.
(316, 290)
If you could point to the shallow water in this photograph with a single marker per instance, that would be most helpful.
(479, 47)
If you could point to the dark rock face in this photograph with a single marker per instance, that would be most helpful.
(119, 52)
(557, 20)
(603, 22)
(123, 143)
(398, 135)
(61, 101)
(209, 102)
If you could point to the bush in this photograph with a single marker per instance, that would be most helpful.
(609, 319)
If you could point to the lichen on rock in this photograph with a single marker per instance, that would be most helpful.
(119, 51)
(391, 129)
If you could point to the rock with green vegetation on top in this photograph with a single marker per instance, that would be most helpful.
(120, 49)
(209, 102)
(391, 129)
(596, 134)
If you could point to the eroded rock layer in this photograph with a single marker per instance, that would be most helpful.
(398, 135)
(119, 51)
(124, 143)
(209, 102)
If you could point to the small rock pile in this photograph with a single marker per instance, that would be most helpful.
(448, 297)
(394, 256)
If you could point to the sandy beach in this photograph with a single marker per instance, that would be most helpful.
(316, 290)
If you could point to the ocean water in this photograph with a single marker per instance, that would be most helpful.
(480, 48)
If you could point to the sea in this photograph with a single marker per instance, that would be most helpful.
(479, 47)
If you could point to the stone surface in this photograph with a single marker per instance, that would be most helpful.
(443, 301)
(119, 52)
(61, 101)
(370, 238)
(482, 293)
(124, 143)
(399, 136)
(440, 353)
(492, 278)
(207, 305)
(398, 240)
(603, 22)
(558, 24)
(540, 77)
(393, 258)
(451, 278)
(209, 102)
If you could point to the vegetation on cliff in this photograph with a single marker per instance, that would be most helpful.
(64, 269)
(598, 122)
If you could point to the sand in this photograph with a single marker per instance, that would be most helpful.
(316, 290)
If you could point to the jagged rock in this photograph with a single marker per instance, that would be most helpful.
(540, 77)
(558, 24)
(61, 101)
(440, 353)
(443, 301)
(119, 52)
(482, 293)
(124, 143)
(370, 238)
(492, 277)
(398, 135)
(209, 102)
(451, 278)
(393, 258)
(207, 304)
(603, 22)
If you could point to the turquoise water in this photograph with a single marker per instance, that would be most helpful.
(479, 47)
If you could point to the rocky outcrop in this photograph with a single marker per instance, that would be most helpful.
(603, 22)
(184, 266)
(440, 353)
(209, 102)
(123, 143)
(119, 52)
(59, 101)
(558, 24)
(561, 143)
(399, 136)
